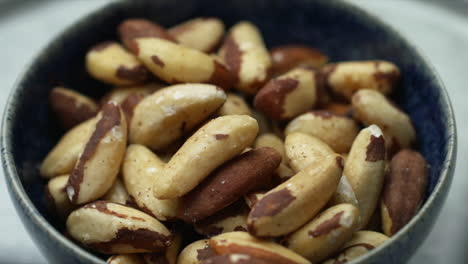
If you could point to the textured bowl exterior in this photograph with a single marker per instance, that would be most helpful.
(340, 30)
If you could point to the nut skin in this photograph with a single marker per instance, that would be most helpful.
(125, 259)
(361, 243)
(196, 252)
(244, 243)
(294, 202)
(234, 105)
(111, 63)
(213, 144)
(229, 219)
(364, 170)
(303, 150)
(139, 169)
(203, 34)
(404, 188)
(283, 172)
(230, 182)
(131, 29)
(175, 63)
(63, 156)
(289, 56)
(98, 165)
(335, 130)
(246, 56)
(71, 108)
(346, 78)
(325, 234)
(372, 107)
(288, 95)
(167, 257)
(112, 228)
(161, 118)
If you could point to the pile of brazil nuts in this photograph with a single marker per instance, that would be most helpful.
(213, 149)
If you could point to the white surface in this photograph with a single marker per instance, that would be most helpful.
(439, 33)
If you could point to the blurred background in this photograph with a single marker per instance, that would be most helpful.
(439, 28)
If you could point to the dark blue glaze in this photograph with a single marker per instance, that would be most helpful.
(341, 31)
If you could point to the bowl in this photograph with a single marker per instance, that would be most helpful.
(340, 30)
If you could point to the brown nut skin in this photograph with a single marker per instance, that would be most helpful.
(335, 130)
(325, 234)
(246, 56)
(109, 62)
(346, 78)
(235, 259)
(229, 182)
(216, 142)
(294, 202)
(244, 243)
(57, 200)
(196, 252)
(404, 188)
(287, 57)
(364, 169)
(133, 28)
(175, 63)
(125, 259)
(360, 244)
(112, 228)
(372, 107)
(99, 163)
(203, 33)
(288, 95)
(168, 257)
(63, 156)
(252, 198)
(71, 108)
(229, 219)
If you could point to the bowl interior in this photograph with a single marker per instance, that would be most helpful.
(341, 32)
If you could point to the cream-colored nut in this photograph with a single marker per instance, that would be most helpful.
(294, 202)
(112, 228)
(229, 219)
(246, 56)
(196, 252)
(325, 234)
(57, 198)
(176, 63)
(126, 259)
(203, 34)
(346, 78)
(118, 194)
(372, 107)
(139, 170)
(361, 243)
(168, 257)
(71, 108)
(303, 150)
(235, 259)
(119, 94)
(244, 243)
(287, 57)
(364, 170)
(288, 95)
(163, 117)
(344, 193)
(337, 131)
(404, 189)
(134, 28)
(234, 105)
(213, 144)
(111, 63)
(252, 170)
(99, 163)
(62, 158)
(252, 198)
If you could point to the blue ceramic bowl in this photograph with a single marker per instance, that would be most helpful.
(342, 31)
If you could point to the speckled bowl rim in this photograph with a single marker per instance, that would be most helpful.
(16, 189)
